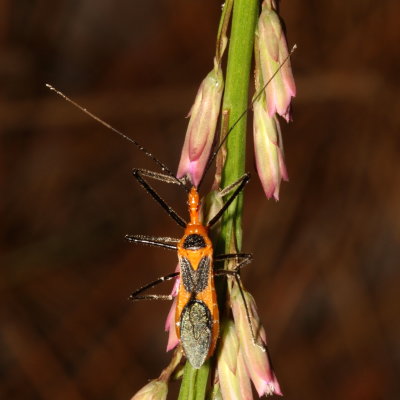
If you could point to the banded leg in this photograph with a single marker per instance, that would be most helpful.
(139, 175)
(164, 242)
(246, 259)
(161, 177)
(239, 184)
(136, 294)
(242, 258)
(238, 280)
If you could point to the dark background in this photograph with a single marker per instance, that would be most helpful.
(326, 271)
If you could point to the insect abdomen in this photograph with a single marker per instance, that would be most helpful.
(196, 316)
(196, 332)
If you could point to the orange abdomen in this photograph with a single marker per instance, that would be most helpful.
(197, 316)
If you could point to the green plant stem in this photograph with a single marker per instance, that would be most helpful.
(235, 101)
(194, 382)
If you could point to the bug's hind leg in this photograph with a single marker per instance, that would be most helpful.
(245, 260)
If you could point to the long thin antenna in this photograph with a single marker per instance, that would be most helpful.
(212, 158)
(163, 167)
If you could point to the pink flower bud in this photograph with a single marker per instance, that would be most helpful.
(255, 357)
(244, 378)
(156, 389)
(268, 150)
(273, 51)
(170, 328)
(201, 129)
(170, 321)
(233, 377)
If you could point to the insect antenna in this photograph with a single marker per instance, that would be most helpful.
(163, 167)
(218, 148)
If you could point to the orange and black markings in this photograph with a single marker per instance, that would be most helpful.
(196, 317)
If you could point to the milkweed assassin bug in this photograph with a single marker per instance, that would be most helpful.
(197, 314)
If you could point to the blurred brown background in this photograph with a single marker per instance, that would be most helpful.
(326, 272)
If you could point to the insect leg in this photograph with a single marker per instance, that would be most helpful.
(161, 177)
(243, 259)
(165, 242)
(136, 294)
(138, 174)
(239, 184)
(235, 273)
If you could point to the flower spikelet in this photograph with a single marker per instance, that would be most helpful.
(202, 125)
(255, 355)
(273, 55)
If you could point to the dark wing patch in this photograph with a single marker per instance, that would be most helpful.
(195, 281)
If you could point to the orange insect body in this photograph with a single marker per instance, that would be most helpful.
(197, 316)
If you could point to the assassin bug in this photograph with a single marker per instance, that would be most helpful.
(197, 314)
